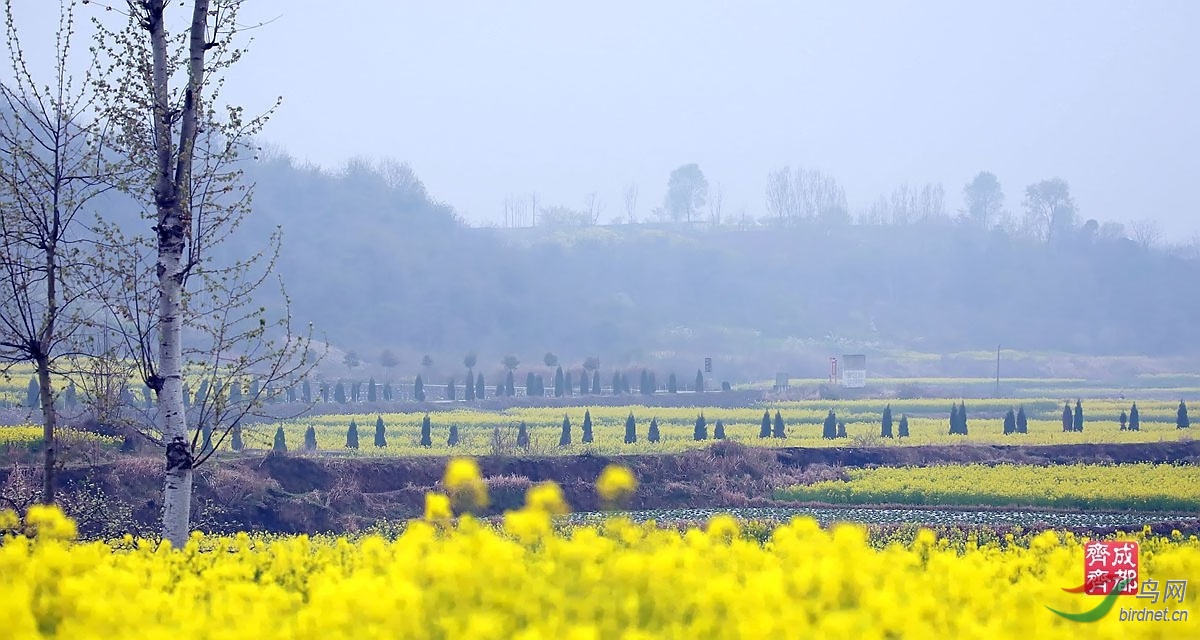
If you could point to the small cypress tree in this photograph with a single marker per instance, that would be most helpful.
(479, 385)
(1077, 419)
(371, 396)
(469, 391)
(523, 436)
(452, 439)
(719, 431)
(699, 381)
(324, 392)
(587, 426)
(644, 383)
(841, 429)
(630, 429)
(206, 441)
(291, 394)
(1123, 419)
(780, 430)
(953, 419)
(310, 439)
(596, 382)
(531, 384)
(380, 432)
(885, 429)
(355, 391)
(419, 389)
(352, 436)
(1181, 417)
(1135, 420)
(509, 388)
(426, 432)
(235, 438)
(559, 382)
(339, 393)
(653, 384)
(306, 392)
(616, 384)
(672, 385)
(1068, 422)
(1010, 422)
(387, 391)
(701, 430)
(902, 427)
(652, 434)
(962, 417)
(829, 427)
(584, 387)
(450, 390)
(71, 399)
(568, 384)
(1022, 420)
(565, 438)
(764, 430)
(280, 445)
(32, 394)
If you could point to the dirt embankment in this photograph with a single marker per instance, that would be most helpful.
(307, 494)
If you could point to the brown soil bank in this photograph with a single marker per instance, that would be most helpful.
(312, 493)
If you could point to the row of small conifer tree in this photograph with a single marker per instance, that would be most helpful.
(1015, 422)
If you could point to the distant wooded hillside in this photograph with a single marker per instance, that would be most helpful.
(376, 263)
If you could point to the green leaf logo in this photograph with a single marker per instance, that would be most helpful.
(1100, 610)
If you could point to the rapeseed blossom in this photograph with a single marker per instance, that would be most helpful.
(461, 578)
(615, 484)
(465, 483)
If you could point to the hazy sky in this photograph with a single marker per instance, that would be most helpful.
(487, 99)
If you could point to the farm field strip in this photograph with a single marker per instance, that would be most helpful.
(24, 435)
(1139, 487)
(873, 516)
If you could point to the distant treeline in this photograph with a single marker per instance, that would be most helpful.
(374, 262)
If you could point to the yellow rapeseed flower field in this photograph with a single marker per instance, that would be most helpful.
(1143, 486)
(444, 578)
(24, 435)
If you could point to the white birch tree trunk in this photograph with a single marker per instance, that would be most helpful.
(172, 182)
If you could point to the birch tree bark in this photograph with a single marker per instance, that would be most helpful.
(173, 168)
(188, 160)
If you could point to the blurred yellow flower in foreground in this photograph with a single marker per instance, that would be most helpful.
(465, 484)
(616, 484)
(437, 508)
